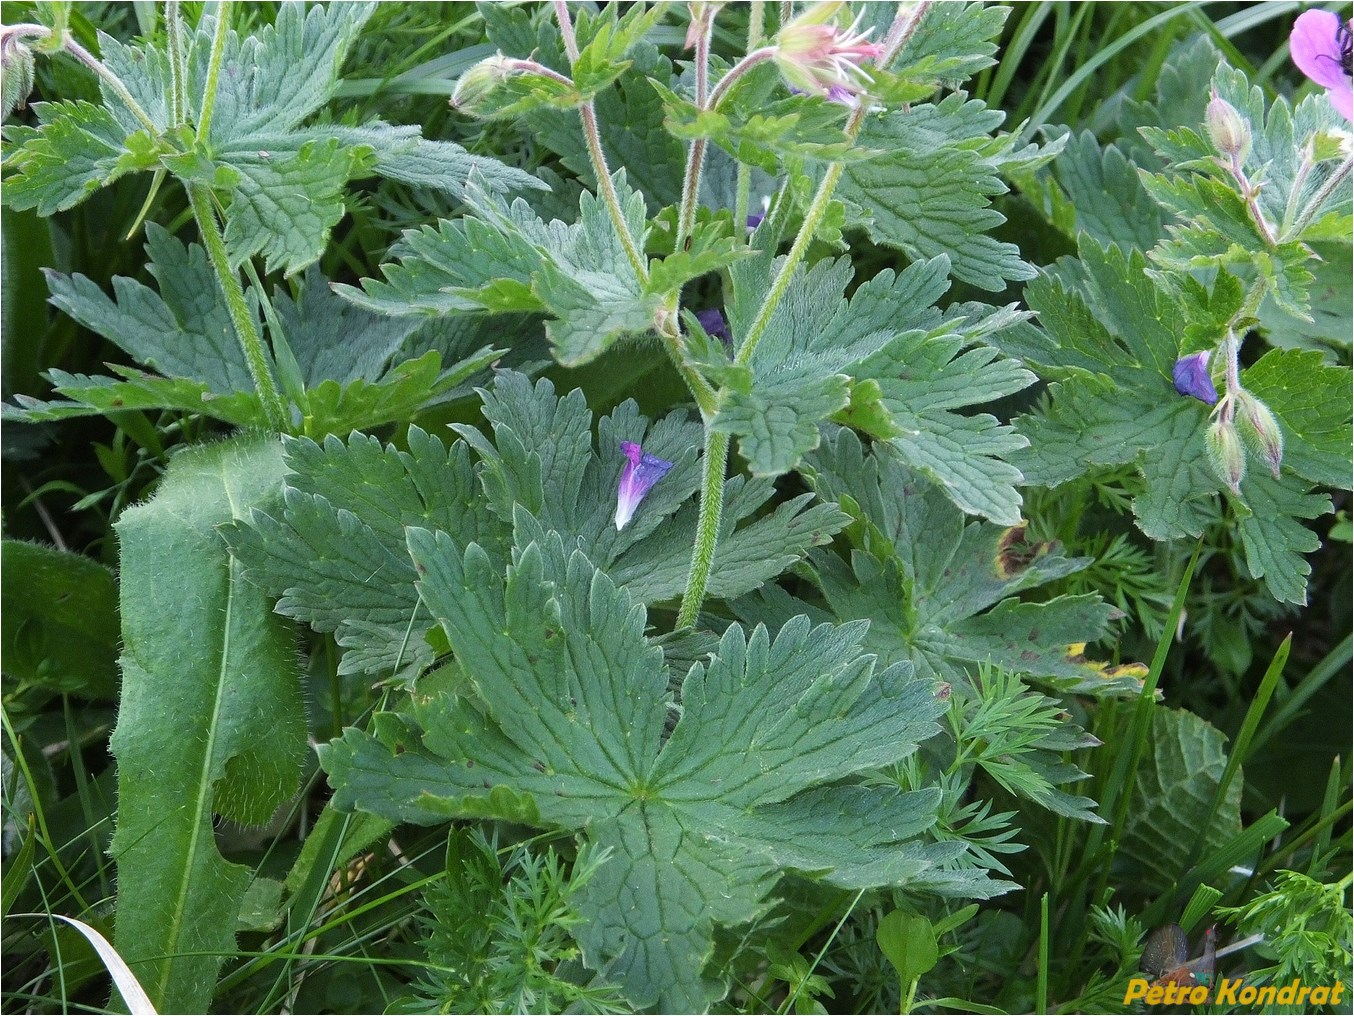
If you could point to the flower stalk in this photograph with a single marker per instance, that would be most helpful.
(245, 328)
(593, 136)
(204, 119)
(717, 443)
(69, 45)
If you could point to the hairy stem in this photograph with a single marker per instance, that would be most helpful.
(717, 444)
(695, 160)
(707, 526)
(593, 136)
(743, 189)
(245, 328)
(787, 268)
(68, 43)
(1313, 207)
(204, 119)
(178, 63)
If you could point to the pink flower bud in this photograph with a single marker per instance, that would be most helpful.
(1230, 134)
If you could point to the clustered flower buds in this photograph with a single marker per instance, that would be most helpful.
(818, 57)
(495, 86)
(477, 83)
(1225, 453)
(1259, 430)
(1240, 422)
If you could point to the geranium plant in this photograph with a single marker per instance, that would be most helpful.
(670, 506)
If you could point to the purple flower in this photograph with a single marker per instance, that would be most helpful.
(637, 478)
(712, 320)
(817, 56)
(755, 220)
(1320, 46)
(1191, 377)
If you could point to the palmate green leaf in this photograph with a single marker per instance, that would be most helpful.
(939, 593)
(96, 396)
(281, 204)
(574, 701)
(950, 44)
(76, 149)
(1215, 226)
(763, 133)
(605, 39)
(343, 353)
(930, 191)
(1105, 315)
(281, 182)
(508, 259)
(211, 720)
(183, 331)
(1172, 793)
(1111, 203)
(335, 554)
(911, 358)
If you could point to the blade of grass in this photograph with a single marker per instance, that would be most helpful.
(1078, 77)
(1335, 662)
(1241, 745)
(1335, 785)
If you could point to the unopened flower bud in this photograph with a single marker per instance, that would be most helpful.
(1225, 453)
(16, 74)
(1259, 430)
(1230, 134)
(472, 92)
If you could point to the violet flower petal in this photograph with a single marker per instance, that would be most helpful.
(1317, 47)
(712, 320)
(637, 479)
(1191, 377)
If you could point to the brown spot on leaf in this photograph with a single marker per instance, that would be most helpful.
(1015, 553)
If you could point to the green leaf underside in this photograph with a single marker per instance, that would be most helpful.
(1114, 337)
(1172, 793)
(211, 719)
(58, 620)
(570, 735)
